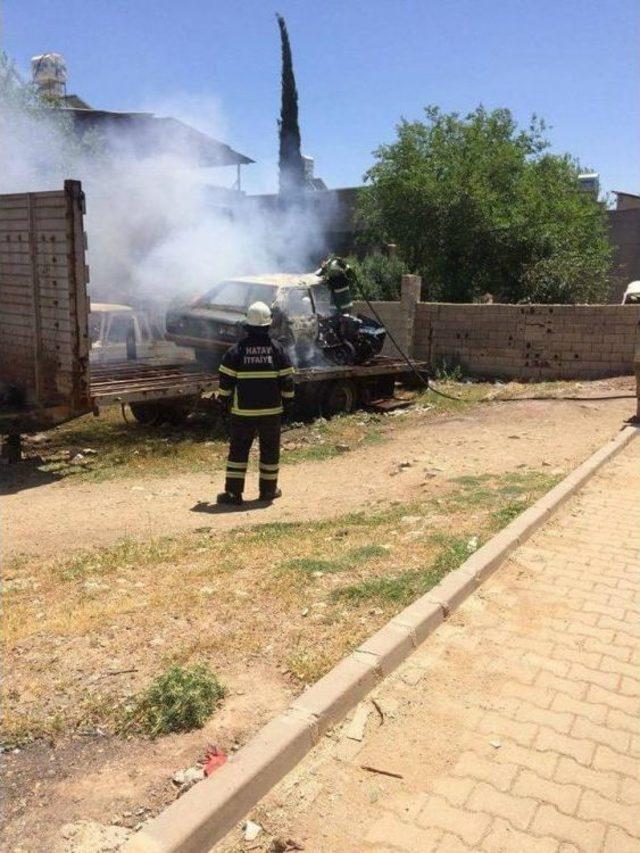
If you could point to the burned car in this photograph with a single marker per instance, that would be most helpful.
(305, 320)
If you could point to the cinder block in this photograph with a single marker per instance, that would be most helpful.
(340, 689)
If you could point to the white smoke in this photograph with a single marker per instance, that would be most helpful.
(157, 231)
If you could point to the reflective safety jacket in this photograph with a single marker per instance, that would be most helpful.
(257, 375)
(341, 295)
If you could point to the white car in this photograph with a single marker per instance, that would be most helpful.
(632, 294)
(120, 333)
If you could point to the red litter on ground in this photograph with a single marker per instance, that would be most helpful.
(213, 759)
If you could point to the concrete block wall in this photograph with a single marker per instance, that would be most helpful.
(514, 341)
(393, 316)
(398, 317)
(529, 341)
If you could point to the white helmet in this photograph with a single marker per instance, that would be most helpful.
(259, 314)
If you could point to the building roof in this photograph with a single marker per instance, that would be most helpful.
(148, 133)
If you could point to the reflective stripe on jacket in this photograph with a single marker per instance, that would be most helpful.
(341, 296)
(257, 374)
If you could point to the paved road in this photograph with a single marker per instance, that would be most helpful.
(514, 727)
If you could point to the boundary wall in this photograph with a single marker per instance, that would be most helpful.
(514, 341)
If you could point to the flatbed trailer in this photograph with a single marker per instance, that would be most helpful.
(171, 391)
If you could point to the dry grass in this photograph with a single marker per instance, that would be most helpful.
(298, 595)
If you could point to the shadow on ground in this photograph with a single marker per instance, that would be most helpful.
(222, 509)
(18, 476)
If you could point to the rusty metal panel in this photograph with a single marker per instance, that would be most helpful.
(44, 343)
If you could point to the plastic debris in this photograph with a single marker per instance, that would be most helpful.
(213, 759)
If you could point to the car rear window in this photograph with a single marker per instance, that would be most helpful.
(238, 294)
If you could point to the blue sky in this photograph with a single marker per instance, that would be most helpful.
(360, 66)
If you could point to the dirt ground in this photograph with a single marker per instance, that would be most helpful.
(50, 517)
(92, 775)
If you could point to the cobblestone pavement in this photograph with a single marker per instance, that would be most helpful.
(515, 726)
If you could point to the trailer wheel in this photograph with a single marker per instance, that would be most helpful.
(146, 414)
(154, 414)
(340, 396)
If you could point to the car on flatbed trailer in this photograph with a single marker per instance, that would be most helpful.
(215, 321)
(306, 321)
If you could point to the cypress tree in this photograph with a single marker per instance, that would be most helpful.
(291, 165)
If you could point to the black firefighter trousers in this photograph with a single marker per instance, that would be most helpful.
(243, 432)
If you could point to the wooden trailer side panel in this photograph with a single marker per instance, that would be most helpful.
(44, 341)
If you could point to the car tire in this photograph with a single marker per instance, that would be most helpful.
(147, 414)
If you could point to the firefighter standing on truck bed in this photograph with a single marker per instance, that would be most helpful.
(256, 387)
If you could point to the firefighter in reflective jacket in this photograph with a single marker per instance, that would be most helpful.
(339, 277)
(256, 387)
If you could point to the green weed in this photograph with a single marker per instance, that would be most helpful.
(356, 556)
(447, 370)
(389, 589)
(309, 565)
(405, 587)
(365, 553)
(179, 700)
(501, 517)
(469, 480)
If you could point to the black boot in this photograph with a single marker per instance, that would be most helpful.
(271, 496)
(229, 498)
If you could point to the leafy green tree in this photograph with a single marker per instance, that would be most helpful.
(477, 205)
(379, 274)
(290, 161)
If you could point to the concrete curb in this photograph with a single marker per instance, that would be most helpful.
(204, 815)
